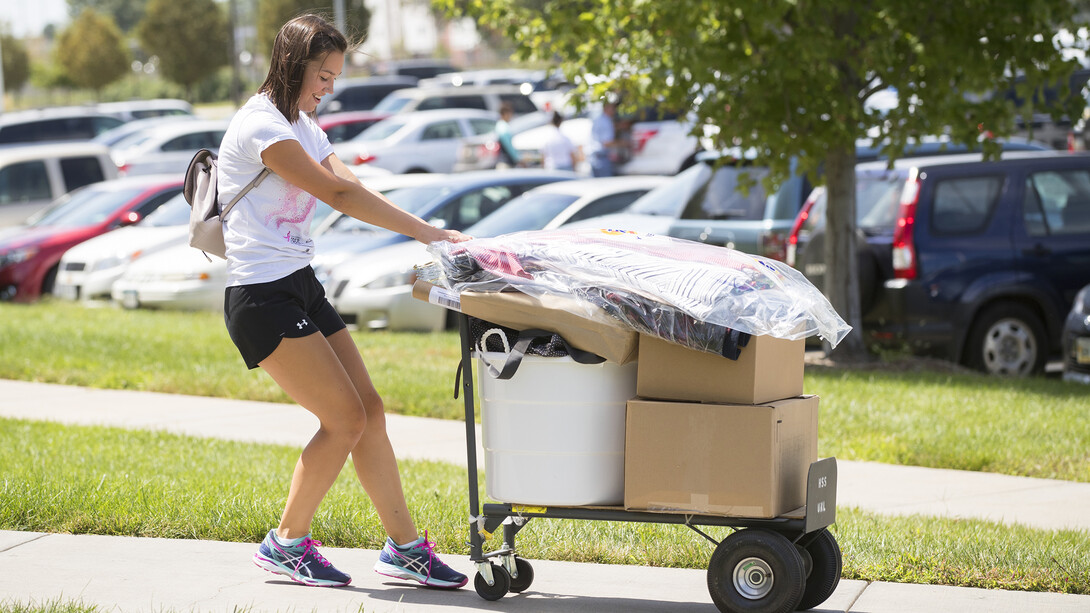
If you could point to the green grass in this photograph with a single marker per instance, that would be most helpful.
(1036, 427)
(56, 478)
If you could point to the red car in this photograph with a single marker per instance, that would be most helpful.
(340, 127)
(29, 253)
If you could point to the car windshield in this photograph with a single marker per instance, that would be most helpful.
(412, 199)
(527, 212)
(878, 198)
(173, 212)
(669, 199)
(392, 103)
(382, 129)
(85, 207)
(734, 192)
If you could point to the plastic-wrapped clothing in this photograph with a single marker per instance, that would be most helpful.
(696, 295)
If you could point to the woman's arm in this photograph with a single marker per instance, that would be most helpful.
(333, 183)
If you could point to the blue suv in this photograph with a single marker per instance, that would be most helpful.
(977, 262)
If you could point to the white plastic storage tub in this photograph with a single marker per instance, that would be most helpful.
(553, 433)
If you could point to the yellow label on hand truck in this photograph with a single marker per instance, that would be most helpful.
(521, 508)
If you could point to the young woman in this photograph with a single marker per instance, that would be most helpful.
(278, 317)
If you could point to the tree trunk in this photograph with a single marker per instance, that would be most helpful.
(841, 261)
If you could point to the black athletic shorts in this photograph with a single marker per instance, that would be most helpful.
(261, 314)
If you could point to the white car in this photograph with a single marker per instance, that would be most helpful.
(166, 148)
(88, 271)
(374, 289)
(32, 176)
(421, 141)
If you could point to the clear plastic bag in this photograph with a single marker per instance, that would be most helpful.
(696, 295)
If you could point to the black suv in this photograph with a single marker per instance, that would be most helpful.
(977, 262)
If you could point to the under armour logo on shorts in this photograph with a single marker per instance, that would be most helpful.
(301, 324)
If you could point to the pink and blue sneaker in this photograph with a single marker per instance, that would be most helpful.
(417, 562)
(298, 560)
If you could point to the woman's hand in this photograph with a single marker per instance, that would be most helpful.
(431, 234)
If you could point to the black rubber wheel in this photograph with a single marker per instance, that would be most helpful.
(756, 571)
(1007, 339)
(825, 565)
(498, 589)
(525, 576)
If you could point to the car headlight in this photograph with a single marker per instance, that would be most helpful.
(106, 263)
(394, 279)
(15, 256)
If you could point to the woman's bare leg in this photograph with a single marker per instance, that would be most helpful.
(309, 370)
(373, 455)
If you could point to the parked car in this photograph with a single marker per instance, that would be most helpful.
(29, 254)
(166, 147)
(342, 127)
(130, 110)
(374, 289)
(1076, 339)
(417, 68)
(423, 141)
(483, 97)
(976, 262)
(660, 142)
(116, 135)
(33, 176)
(88, 271)
(487, 76)
(54, 124)
(363, 93)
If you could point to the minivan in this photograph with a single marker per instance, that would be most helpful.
(54, 124)
(483, 97)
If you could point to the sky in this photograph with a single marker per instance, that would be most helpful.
(27, 17)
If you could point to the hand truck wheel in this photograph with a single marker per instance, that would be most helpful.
(500, 586)
(525, 576)
(756, 571)
(826, 565)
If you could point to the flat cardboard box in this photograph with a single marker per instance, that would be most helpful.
(768, 369)
(719, 459)
(564, 316)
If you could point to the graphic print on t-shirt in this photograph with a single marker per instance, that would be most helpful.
(295, 209)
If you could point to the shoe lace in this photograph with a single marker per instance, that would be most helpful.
(311, 546)
(429, 549)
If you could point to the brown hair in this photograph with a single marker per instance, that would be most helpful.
(299, 42)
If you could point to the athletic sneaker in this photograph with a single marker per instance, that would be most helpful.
(419, 563)
(301, 562)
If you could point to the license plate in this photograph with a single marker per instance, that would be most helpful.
(67, 292)
(130, 299)
(1082, 350)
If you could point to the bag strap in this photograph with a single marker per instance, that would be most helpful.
(514, 357)
(252, 184)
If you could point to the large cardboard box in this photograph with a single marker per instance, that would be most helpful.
(719, 459)
(564, 316)
(768, 369)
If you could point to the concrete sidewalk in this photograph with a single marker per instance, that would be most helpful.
(181, 575)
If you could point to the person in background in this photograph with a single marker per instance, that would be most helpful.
(278, 316)
(509, 156)
(559, 152)
(603, 137)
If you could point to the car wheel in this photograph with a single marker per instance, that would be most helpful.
(1007, 339)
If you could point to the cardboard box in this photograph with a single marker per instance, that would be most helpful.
(768, 369)
(564, 316)
(719, 459)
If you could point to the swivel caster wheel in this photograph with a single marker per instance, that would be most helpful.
(501, 583)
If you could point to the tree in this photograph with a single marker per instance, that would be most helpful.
(92, 52)
(192, 39)
(126, 13)
(272, 14)
(791, 79)
(16, 67)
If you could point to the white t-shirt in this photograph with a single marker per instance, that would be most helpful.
(267, 233)
(557, 151)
